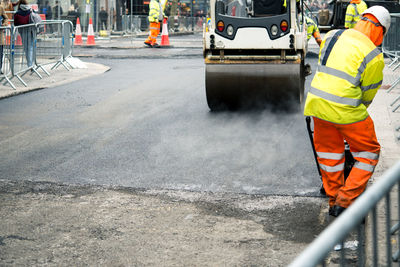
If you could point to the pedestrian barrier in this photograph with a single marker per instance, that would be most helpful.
(5, 66)
(51, 45)
(391, 49)
(23, 51)
(29, 48)
(134, 24)
(335, 235)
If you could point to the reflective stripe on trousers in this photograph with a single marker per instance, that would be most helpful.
(154, 32)
(329, 144)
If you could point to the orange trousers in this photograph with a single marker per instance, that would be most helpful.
(329, 144)
(154, 32)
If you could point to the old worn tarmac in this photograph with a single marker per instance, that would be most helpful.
(63, 225)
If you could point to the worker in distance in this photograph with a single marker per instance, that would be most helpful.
(350, 71)
(353, 13)
(156, 15)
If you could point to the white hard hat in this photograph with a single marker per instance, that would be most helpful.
(381, 14)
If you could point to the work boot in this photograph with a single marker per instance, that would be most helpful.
(335, 211)
(148, 44)
(307, 70)
(155, 45)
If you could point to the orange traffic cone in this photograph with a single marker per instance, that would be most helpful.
(19, 40)
(78, 33)
(164, 34)
(90, 35)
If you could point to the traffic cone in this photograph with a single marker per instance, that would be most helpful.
(90, 35)
(43, 17)
(78, 33)
(19, 39)
(164, 34)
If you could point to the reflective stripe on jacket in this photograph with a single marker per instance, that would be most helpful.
(350, 71)
(155, 11)
(353, 14)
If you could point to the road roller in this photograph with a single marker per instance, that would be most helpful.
(254, 53)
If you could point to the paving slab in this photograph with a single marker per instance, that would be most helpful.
(58, 76)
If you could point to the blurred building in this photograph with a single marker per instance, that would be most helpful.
(117, 9)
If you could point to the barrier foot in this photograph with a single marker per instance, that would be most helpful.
(395, 228)
(393, 61)
(55, 65)
(22, 81)
(395, 101)
(37, 73)
(65, 60)
(9, 82)
(65, 66)
(393, 85)
(396, 108)
(60, 63)
(43, 69)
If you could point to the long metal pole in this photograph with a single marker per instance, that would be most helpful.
(131, 20)
(191, 11)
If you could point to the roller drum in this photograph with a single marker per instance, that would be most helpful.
(233, 86)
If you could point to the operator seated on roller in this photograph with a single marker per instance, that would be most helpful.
(350, 72)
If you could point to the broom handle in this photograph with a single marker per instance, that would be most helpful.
(310, 134)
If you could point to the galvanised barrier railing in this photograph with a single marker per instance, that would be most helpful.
(6, 71)
(28, 48)
(391, 48)
(23, 51)
(54, 43)
(351, 219)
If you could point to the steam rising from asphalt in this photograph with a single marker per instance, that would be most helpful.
(253, 152)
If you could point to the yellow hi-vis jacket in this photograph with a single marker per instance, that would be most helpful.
(311, 27)
(155, 11)
(353, 14)
(349, 73)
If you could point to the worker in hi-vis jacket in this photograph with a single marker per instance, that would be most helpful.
(353, 13)
(349, 73)
(312, 30)
(156, 15)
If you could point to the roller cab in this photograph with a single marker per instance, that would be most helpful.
(254, 54)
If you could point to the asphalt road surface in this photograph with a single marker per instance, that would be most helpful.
(146, 124)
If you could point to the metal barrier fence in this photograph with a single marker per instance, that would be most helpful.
(391, 48)
(5, 54)
(23, 51)
(54, 43)
(28, 48)
(337, 232)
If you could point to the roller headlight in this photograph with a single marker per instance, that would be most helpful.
(229, 30)
(274, 30)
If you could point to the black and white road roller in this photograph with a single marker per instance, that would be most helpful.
(254, 53)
